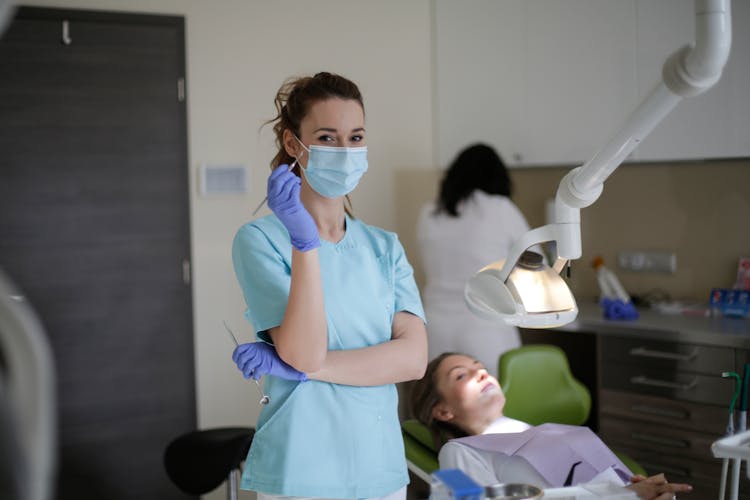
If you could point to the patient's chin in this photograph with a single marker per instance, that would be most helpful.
(498, 403)
(494, 399)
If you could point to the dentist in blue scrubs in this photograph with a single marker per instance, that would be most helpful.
(335, 308)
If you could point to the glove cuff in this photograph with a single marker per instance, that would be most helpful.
(306, 245)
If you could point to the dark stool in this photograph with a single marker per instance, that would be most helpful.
(199, 461)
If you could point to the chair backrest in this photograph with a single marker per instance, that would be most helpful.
(421, 454)
(539, 386)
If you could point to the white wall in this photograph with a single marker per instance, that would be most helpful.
(238, 53)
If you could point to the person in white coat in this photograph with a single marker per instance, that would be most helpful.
(473, 222)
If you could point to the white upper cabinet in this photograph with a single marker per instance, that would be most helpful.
(480, 79)
(715, 124)
(549, 82)
(580, 74)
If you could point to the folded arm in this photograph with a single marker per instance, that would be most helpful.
(402, 358)
(302, 338)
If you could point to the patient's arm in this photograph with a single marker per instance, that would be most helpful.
(657, 488)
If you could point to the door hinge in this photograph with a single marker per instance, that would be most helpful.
(186, 271)
(180, 90)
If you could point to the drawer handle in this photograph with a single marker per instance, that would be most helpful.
(660, 440)
(661, 412)
(654, 468)
(642, 380)
(650, 353)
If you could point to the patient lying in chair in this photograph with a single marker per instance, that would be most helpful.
(463, 407)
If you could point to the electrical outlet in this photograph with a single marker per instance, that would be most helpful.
(648, 261)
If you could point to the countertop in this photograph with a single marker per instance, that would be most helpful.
(719, 331)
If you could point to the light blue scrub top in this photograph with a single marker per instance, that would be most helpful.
(315, 438)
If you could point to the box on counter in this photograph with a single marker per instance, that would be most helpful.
(730, 302)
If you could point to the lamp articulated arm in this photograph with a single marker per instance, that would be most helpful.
(689, 71)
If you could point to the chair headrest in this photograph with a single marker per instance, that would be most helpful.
(419, 431)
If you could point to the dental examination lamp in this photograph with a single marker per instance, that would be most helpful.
(524, 291)
(27, 401)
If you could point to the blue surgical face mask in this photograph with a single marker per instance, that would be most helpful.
(334, 172)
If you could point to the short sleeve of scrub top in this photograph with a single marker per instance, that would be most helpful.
(406, 291)
(257, 260)
(317, 439)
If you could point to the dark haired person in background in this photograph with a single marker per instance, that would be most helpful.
(472, 223)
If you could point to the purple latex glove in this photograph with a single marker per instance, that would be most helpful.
(256, 359)
(283, 200)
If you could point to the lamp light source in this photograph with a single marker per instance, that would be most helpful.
(502, 291)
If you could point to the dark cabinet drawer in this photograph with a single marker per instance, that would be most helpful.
(667, 383)
(691, 358)
(656, 439)
(664, 403)
(660, 411)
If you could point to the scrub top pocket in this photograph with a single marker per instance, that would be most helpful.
(358, 293)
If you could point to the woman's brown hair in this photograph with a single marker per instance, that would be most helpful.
(425, 396)
(293, 102)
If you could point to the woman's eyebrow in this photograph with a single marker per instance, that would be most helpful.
(454, 368)
(476, 362)
(333, 130)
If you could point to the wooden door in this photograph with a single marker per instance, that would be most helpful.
(94, 227)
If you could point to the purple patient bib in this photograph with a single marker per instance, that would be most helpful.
(560, 453)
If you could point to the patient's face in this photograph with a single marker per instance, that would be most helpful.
(472, 398)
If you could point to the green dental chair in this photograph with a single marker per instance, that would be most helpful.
(421, 455)
(539, 387)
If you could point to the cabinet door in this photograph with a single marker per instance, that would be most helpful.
(544, 82)
(480, 82)
(581, 77)
(94, 218)
(715, 124)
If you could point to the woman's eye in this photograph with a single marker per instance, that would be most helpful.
(357, 138)
(326, 138)
(460, 376)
